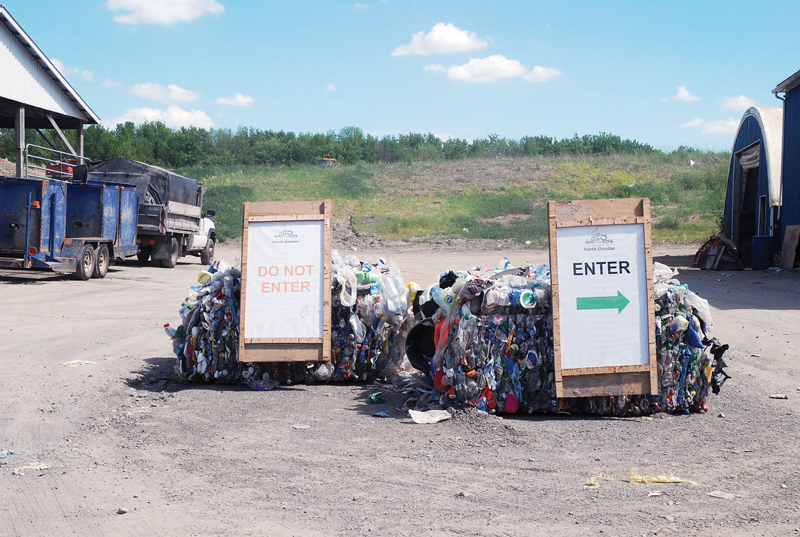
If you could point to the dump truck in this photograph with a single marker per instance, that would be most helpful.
(171, 221)
(66, 227)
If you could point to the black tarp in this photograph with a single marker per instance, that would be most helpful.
(162, 185)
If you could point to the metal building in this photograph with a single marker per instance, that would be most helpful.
(753, 197)
(791, 150)
(34, 94)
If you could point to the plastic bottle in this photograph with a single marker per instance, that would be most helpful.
(169, 330)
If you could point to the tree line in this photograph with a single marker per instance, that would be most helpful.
(155, 143)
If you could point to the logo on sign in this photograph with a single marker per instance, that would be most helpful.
(285, 236)
(598, 241)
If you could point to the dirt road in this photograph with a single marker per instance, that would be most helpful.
(88, 388)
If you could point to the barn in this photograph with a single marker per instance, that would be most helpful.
(753, 198)
(35, 95)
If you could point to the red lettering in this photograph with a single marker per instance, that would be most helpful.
(262, 271)
(309, 267)
(265, 287)
(305, 286)
(295, 287)
(299, 270)
(276, 287)
(287, 271)
(285, 287)
(276, 271)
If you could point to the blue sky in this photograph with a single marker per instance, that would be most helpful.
(665, 73)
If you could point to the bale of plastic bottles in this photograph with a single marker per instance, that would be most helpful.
(370, 316)
(485, 338)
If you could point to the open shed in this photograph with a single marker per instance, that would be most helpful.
(34, 94)
(753, 197)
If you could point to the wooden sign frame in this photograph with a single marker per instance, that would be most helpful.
(607, 380)
(287, 349)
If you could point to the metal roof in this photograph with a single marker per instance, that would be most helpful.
(770, 121)
(49, 69)
(789, 84)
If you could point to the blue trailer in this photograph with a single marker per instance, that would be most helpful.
(70, 227)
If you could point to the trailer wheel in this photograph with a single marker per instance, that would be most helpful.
(85, 266)
(207, 255)
(101, 261)
(174, 252)
(143, 255)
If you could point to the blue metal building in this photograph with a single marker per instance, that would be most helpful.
(753, 198)
(791, 150)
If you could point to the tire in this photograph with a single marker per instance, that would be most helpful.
(101, 261)
(174, 253)
(207, 255)
(85, 266)
(143, 255)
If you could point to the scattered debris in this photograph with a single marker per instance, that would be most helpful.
(31, 467)
(663, 478)
(779, 396)
(722, 495)
(654, 493)
(430, 416)
(301, 426)
(718, 252)
(122, 510)
(592, 482)
(5, 453)
(76, 363)
(382, 414)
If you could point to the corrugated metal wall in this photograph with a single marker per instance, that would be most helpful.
(23, 80)
(748, 135)
(791, 160)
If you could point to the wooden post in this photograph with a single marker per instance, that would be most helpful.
(79, 140)
(19, 140)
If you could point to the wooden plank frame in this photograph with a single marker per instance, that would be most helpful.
(287, 349)
(608, 380)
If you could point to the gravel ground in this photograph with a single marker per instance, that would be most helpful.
(89, 390)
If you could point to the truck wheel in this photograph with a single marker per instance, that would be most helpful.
(174, 252)
(207, 255)
(143, 255)
(101, 261)
(85, 266)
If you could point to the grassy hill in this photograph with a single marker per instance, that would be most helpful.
(481, 198)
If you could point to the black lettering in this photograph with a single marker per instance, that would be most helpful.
(587, 270)
(576, 269)
(623, 265)
(612, 267)
(600, 264)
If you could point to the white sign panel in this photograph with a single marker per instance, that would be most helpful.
(602, 285)
(285, 280)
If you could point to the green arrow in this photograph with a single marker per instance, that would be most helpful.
(603, 302)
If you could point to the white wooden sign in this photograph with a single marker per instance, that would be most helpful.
(286, 285)
(603, 312)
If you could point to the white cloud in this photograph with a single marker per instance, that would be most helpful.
(740, 103)
(236, 100)
(541, 74)
(162, 11)
(108, 83)
(496, 67)
(361, 6)
(173, 117)
(329, 87)
(172, 94)
(436, 68)
(442, 39)
(63, 69)
(69, 71)
(717, 126)
(683, 95)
